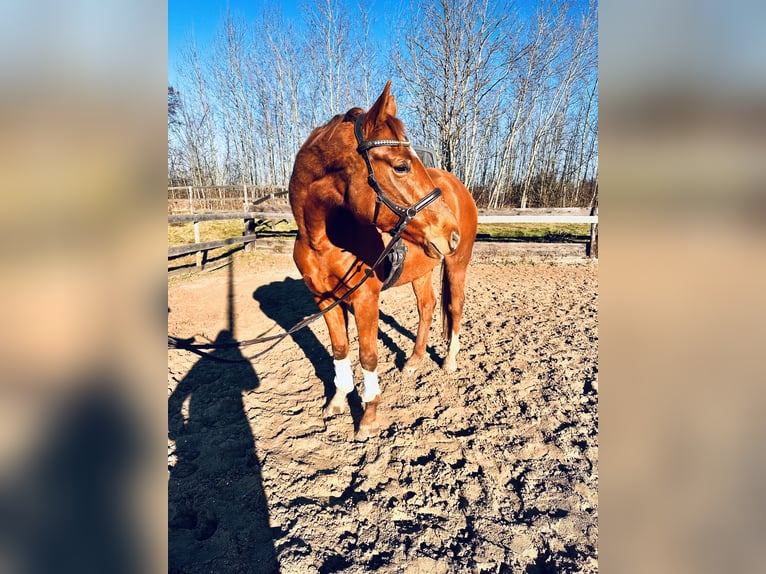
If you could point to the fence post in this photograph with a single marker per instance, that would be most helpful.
(249, 224)
(593, 244)
(200, 255)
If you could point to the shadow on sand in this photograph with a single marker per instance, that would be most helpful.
(67, 508)
(287, 302)
(218, 517)
(401, 354)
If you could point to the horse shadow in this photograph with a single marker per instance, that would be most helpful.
(218, 517)
(401, 355)
(288, 301)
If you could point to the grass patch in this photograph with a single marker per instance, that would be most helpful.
(553, 232)
(183, 233)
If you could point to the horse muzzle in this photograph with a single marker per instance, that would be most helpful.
(443, 244)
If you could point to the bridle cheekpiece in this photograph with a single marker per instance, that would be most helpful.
(406, 214)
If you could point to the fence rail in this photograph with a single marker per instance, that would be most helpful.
(252, 218)
(231, 202)
(541, 215)
(191, 199)
(245, 187)
(229, 215)
(531, 215)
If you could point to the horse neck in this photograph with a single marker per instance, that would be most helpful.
(319, 189)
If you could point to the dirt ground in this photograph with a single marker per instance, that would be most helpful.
(493, 468)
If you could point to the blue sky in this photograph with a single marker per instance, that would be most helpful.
(200, 18)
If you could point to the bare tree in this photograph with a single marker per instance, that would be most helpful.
(201, 119)
(328, 32)
(233, 90)
(553, 67)
(450, 62)
(280, 59)
(192, 129)
(175, 167)
(508, 98)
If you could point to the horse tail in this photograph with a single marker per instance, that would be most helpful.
(446, 299)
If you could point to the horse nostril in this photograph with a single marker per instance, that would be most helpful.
(454, 240)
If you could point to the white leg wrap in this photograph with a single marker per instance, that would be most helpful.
(454, 345)
(344, 377)
(371, 386)
(450, 363)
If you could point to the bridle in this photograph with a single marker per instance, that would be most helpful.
(406, 214)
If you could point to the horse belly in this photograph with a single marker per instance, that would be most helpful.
(416, 264)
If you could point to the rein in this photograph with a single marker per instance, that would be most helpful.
(406, 214)
(200, 348)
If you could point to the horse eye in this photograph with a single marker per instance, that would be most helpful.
(402, 168)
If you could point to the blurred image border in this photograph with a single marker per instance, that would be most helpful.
(681, 138)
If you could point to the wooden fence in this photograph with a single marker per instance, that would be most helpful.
(193, 199)
(252, 219)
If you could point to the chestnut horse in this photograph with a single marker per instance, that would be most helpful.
(355, 184)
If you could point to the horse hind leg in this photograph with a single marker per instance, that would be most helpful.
(450, 362)
(453, 297)
(424, 293)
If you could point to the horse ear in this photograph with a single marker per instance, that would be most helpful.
(383, 108)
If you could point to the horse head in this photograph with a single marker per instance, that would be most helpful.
(391, 188)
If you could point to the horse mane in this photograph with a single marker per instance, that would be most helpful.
(397, 128)
(327, 131)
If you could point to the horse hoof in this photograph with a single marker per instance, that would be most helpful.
(335, 408)
(365, 432)
(450, 365)
(410, 368)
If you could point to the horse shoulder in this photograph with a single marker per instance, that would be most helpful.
(311, 209)
(322, 263)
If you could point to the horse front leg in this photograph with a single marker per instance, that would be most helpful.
(424, 293)
(337, 325)
(366, 315)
